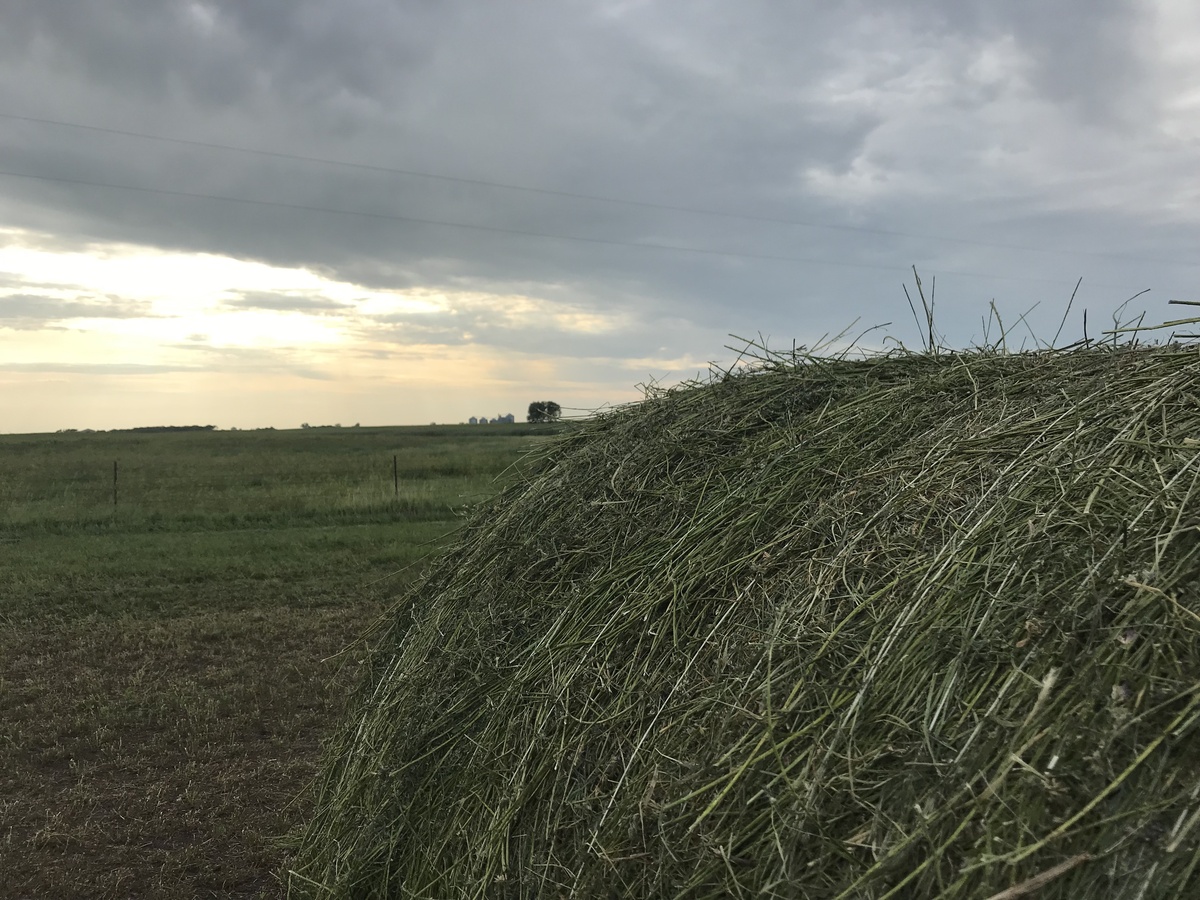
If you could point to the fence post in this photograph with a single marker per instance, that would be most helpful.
(395, 475)
(114, 484)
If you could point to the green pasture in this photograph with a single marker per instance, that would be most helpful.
(170, 664)
(200, 520)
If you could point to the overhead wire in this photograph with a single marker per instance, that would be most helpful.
(595, 198)
(808, 260)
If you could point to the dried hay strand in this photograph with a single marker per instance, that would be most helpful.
(916, 625)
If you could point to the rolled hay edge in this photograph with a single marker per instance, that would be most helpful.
(917, 625)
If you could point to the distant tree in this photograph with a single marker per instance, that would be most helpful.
(543, 411)
(155, 429)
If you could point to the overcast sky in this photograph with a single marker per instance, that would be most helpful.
(268, 212)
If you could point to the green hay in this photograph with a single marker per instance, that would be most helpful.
(920, 625)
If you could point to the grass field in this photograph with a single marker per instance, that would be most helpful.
(170, 663)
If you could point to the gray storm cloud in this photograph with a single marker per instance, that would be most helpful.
(34, 311)
(283, 301)
(1006, 148)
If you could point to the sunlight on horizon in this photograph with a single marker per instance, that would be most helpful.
(116, 335)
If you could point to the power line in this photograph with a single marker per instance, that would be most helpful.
(422, 221)
(515, 231)
(595, 198)
(500, 230)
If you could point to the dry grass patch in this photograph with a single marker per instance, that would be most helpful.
(163, 758)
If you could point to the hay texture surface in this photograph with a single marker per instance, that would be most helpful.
(910, 626)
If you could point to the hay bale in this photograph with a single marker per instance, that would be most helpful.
(910, 626)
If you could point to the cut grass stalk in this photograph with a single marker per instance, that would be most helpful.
(911, 625)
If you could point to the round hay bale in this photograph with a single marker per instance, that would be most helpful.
(910, 626)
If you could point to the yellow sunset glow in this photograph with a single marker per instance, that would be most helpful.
(115, 335)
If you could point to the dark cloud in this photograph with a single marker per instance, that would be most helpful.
(284, 302)
(1090, 56)
(888, 135)
(15, 281)
(33, 311)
